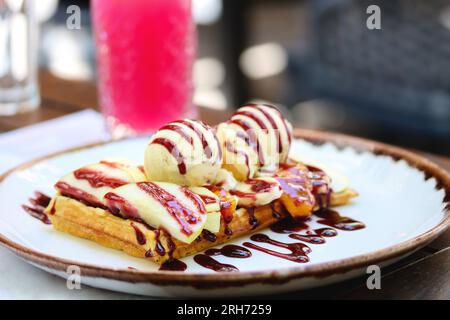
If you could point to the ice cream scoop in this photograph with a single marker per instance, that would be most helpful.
(239, 155)
(259, 137)
(184, 152)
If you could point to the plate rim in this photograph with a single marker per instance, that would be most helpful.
(272, 276)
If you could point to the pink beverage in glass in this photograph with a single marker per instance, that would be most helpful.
(145, 52)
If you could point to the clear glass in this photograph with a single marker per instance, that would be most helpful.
(18, 57)
(145, 51)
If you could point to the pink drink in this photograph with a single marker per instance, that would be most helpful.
(145, 52)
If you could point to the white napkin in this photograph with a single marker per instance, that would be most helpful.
(27, 143)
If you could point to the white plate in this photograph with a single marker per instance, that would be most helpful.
(402, 207)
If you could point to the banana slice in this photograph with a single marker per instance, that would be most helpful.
(339, 182)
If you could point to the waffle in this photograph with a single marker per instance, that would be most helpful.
(139, 240)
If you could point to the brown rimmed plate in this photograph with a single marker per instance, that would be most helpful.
(404, 202)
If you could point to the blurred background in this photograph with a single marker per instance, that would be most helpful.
(315, 59)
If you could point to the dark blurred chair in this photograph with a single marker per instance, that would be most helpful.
(398, 76)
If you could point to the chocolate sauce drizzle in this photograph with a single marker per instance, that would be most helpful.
(289, 225)
(173, 265)
(206, 148)
(184, 216)
(211, 263)
(208, 235)
(333, 219)
(251, 218)
(231, 251)
(177, 126)
(299, 251)
(140, 236)
(174, 151)
(98, 179)
(38, 203)
(82, 196)
(316, 237)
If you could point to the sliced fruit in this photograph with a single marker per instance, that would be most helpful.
(297, 195)
(212, 205)
(257, 192)
(343, 197)
(225, 179)
(228, 202)
(90, 183)
(209, 198)
(213, 222)
(161, 205)
(339, 182)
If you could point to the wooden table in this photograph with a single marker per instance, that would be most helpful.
(423, 275)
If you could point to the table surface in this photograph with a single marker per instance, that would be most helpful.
(423, 275)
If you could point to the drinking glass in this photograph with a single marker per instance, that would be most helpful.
(145, 51)
(18, 57)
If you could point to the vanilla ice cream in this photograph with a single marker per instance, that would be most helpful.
(255, 141)
(239, 155)
(184, 152)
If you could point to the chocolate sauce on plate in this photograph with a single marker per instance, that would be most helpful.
(333, 219)
(326, 232)
(289, 225)
(173, 265)
(211, 263)
(38, 203)
(299, 251)
(231, 251)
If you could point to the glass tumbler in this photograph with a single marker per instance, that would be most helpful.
(145, 53)
(18, 57)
